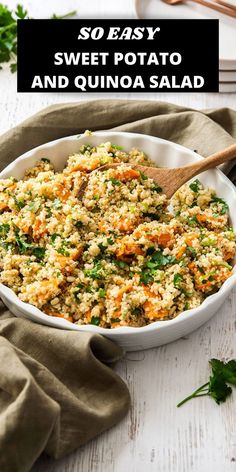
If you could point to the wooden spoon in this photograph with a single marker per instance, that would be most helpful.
(171, 179)
(205, 3)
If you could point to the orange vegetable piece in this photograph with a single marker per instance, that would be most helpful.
(228, 256)
(201, 218)
(126, 225)
(189, 238)
(86, 165)
(181, 252)
(59, 315)
(128, 249)
(152, 313)
(39, 228)
(126, 175)
(87, 316)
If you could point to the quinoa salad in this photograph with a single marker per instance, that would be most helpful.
(120, 255)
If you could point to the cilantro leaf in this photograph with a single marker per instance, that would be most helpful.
(115, 181)
(4, 228)
(95, 320)
(218, 389)
(96, 272)
(115, 146)
(222, 374)
(157, 260)
(156, 188)
(8, 32)
(225, 206)
(228, 369)
(178, 278)
(195, 186)
(39, 252)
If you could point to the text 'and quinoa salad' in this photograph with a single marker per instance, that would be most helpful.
(120, 255)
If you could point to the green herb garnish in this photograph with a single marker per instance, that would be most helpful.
(115, 320)
(156, 188)
(96, 272)
(121, 264)
(144, 177)
(95, 320)
(78, 224)
(157, 260)
(225, 206)
(8, 32)
(115, 181)
(84, 148)
(178, 279)
(4, 228)
(53, 238)
(27, 247)
(115, 146)
(19, 203)
(39, 252)
(101, 293)
(222, 374)
(192, 220)
(195, 186)
(191, 251)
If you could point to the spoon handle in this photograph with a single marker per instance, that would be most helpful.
(213, 6)
(226, 4)
(214, 160)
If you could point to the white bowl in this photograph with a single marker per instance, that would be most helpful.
(164, 153)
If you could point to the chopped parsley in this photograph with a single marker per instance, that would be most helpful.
(156, 188)
(95, 320)
(102, 293)
(191, 251)
(4, 228)
(78, 224)
(53, 238)
(121, 264)
(115, 181)
(157, 261)
(77, 296)
(39, 252)
(115, 146)
(27, 247)
(225, 206)
(178, 279)
(195, 186)
(85, 148)
(143, 176)
(96, 272)
(19, 203)
(63, 249)
(192, 220)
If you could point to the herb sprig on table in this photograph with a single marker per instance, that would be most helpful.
(8, 32)
(222, 374)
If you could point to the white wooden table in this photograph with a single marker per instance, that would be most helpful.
(155, 436)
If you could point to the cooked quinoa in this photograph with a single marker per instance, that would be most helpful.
(123, 255)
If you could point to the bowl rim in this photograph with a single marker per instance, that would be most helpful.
(57, 322)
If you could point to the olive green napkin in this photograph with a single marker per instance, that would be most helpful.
(56, 390)
(206, 131)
